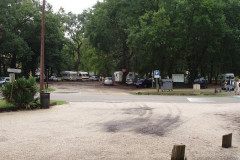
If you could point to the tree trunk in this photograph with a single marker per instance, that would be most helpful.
(79, 56)
(78, 62)
(125, 62)
(211, 73)
(13, 61)
(216, 79)
(4, 69)
(1, 67)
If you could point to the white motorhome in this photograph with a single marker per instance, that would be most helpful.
(117, 76)
(83, 75)
(225, 77)
(69, 75)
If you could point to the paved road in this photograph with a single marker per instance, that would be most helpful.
(96, 92)
(76, 97)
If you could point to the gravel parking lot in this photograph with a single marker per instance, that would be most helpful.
(119, 130)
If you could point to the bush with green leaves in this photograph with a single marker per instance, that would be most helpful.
(21, 93)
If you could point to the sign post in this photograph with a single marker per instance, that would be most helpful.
(12, 73)
(157, 76)
(12, 76)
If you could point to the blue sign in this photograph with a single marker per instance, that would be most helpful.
(156, 74)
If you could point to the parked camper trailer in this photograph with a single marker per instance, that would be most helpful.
(69, 75)
(131, 75)
(225, 77)
(117, 76)
(83, 75)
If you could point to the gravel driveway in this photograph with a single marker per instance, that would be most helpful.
(119, 131)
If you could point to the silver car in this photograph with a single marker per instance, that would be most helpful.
(108, 81)
(53, 78)
(94, 78)
(4, 80)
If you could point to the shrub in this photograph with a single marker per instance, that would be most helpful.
(21, 93)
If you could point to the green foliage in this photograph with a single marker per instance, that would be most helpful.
(21, 37)
(200, 36)
(21, 93)
(174, 36)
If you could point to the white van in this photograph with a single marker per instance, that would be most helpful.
(69, 75)
(225, 77)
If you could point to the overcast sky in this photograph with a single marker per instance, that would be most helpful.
(75, 6)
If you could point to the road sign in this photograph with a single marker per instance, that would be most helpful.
(156, 74)
(13, 70)
(124, 70)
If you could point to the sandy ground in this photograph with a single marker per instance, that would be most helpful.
(119, 131)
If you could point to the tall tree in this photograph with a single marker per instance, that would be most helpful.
(75, 31)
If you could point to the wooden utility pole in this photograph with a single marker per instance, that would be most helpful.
(42, 50)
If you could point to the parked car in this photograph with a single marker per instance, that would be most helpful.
(138, 82)
(53, 78)
(94, 78)
(108, 81)
(129, 81)
(202, 81)
(38, 78)
(146, 83)
(4, 80)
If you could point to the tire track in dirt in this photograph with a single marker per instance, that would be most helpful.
(128, 118)
(144, 120)
(160, 126)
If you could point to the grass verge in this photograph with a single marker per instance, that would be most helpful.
(180, 93)
(58, 102)
(4, 104)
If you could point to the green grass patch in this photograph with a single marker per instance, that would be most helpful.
(4, 104)
(51, 90)
(180, 93)
(58, 102)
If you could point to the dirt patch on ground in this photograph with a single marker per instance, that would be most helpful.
(143, 123)
(232, 118)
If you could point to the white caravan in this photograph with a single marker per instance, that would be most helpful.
(83, 75)
(225, 77)
(69, 75)
(117, 76)
(131, 75)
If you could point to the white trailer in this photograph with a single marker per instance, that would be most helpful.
(225, 78)
(69, 75)
(83, 75)
(117, 76)
(131, 75)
